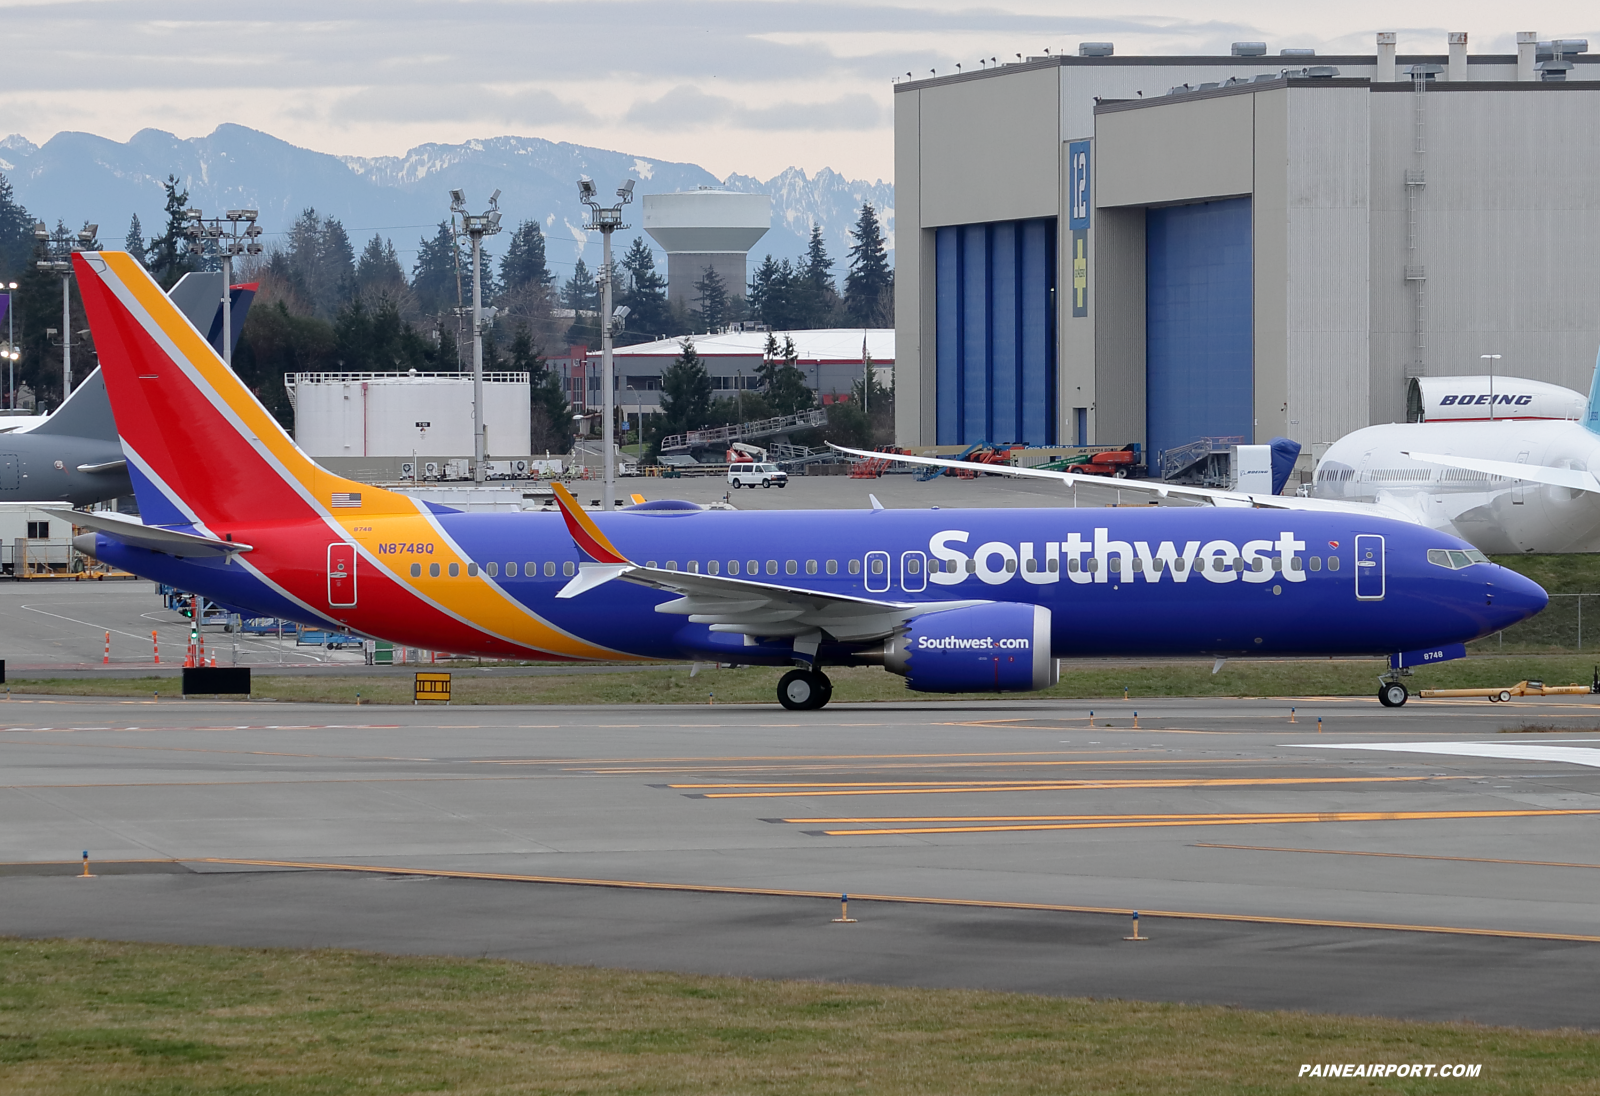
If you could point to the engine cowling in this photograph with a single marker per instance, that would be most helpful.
(1001, 647)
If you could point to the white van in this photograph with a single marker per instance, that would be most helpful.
(756, 475)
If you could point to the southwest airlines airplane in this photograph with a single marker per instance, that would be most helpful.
(953, 600)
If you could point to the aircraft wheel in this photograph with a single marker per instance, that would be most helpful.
(1504, 697)
(804, 690)
(1393, 695)
(827, 688)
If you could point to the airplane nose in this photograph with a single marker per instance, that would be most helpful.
(1514, 598)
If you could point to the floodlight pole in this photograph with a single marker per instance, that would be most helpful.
(607, 220)
(229, 235)
(477, 227)
(11, 346)
(60, 250)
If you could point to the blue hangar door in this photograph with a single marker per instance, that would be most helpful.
(1199, 324)
(995, 316)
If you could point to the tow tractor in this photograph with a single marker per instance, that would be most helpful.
(1521, 688)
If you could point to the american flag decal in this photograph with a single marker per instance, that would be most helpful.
(346, 498)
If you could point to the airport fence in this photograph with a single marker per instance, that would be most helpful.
(1560, 627)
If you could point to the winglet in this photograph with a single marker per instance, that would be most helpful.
(590, 540)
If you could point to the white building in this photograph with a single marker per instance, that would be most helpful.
(366, 424)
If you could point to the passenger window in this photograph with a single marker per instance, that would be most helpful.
(1316, 563)
(1052, 565)
(1296, 563)
(877, 566)
(811, 566)
(569, 569)
(833, 567)
(914, 565)
(455, 570)
(751, 567)
(1030, 566)
(433, 570)
(1072, 566)
(672, 565)
(855, 567)
(550, 569)
(772, 566)
(1138, 565)
(1259, 564)
(1179, 564)
(494, 570)
(791, 568)
(694, 567)
(416, 570)
(1094, 565)
(511, 570)
(1277, 563)
(972, 566)
(712, 567)
(472, 570)
(733, 567)
(1333, 563)
(1011, 566)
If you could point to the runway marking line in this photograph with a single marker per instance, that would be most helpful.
(1401, 855)
(1127, 821)
(903, 899)
(1007, 785)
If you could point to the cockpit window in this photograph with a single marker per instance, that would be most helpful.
(1455, 560)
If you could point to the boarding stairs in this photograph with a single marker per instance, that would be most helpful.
(722, 436)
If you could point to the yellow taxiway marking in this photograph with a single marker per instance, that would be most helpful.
(1398, 855)
(832, 896)
(1134, 821)
(782, 757)
(1007, 785)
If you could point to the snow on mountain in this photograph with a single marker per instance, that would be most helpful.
(78, 177)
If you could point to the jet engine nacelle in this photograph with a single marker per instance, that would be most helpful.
(1001, 647)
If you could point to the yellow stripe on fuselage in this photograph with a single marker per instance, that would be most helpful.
(479, 600)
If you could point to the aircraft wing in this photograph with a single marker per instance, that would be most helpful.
(153, 537)
(738, 605)
(1206, 496)
(1576, 479)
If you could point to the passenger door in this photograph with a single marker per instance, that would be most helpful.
(341, 574)
(913, 572)
(1369, 567)
(877, 574)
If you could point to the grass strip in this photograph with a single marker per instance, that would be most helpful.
(757, 685)
(80, 1017)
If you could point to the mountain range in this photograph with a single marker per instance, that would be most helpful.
(79, 177)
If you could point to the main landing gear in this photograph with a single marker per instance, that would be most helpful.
(804, 690)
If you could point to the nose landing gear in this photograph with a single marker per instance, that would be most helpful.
(804, 690)
(1393, 694)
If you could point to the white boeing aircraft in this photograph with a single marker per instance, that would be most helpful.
(1503, 484)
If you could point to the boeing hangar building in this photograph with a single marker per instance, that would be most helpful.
(1097, 249)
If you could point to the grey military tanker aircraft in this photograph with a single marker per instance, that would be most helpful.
(75, 456)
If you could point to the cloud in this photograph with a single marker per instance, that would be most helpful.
(531, 106)
(687, 108)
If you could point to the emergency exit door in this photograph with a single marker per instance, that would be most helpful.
(341, 574)
(1369, 567)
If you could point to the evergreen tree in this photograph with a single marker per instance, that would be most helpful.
(16, 235)
(378, 271)
(524, 261)
(685, 393)
(581, 293)
(766, 291)
(433, 278)
(551, 412)
(869, 285)
(376, 339)
(167, 258)
(815, 295)
(645, 293)
(711, 301)
(133, 244)
(783, 382)
(321, 263)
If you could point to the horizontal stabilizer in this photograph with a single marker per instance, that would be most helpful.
(150, 537)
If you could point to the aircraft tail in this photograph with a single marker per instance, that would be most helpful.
(200, 447)
(1591, 414)
(84, 414)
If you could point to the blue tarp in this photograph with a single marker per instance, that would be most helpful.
(1284, 454)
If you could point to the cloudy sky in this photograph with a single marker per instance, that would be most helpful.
(734, 85)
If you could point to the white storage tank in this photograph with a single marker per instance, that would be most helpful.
(703, 228)
(398, 414)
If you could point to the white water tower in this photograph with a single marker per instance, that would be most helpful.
(708, 227)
